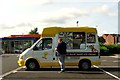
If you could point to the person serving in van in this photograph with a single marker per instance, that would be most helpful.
(61, 49)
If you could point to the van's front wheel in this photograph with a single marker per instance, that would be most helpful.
(32, 65)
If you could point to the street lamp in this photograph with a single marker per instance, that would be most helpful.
(77, 23)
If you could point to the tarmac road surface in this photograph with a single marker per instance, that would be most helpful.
(108, 70)
(9, 62)
(70, 73)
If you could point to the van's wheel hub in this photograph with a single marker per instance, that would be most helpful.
(84, 65)
(32, 65)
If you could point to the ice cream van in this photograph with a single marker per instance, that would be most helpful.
(82, 48)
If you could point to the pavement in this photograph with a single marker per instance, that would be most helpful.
(108, 70)
(110, 60)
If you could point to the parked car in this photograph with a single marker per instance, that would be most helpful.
(2, 51)
(17, 50)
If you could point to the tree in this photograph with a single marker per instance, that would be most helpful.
(34, 31)
(101, 40)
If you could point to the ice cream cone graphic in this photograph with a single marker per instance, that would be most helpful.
(45, 55)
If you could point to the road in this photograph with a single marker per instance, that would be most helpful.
(107, 70)
(9, 62)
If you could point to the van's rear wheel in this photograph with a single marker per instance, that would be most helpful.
(32, 65)
(84, 65)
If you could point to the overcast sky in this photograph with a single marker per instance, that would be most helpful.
(20, 16)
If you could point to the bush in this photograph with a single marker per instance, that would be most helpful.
(114, 49)
(110, 49)
(104, 51)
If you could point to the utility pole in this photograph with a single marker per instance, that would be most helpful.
(77, 23)
(116, 38)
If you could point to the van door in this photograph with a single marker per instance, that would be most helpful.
(44, 52)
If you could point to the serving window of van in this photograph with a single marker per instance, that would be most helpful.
(74, 40)
(91, 38)
(78, 39)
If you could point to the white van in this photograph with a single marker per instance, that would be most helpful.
(82, 48)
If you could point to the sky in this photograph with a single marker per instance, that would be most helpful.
(18, 17)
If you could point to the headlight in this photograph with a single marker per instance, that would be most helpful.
(21, 57)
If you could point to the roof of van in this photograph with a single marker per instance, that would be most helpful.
(52, 31)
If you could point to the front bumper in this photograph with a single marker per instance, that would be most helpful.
(21, 63)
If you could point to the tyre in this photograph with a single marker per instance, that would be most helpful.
(32, 65)
(85, 65)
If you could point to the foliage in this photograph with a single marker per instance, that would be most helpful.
(110, 49)
(34, 31)
(101, 40)
(104, 51)
(114, 49)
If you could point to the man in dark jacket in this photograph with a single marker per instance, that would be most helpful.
(61, 49)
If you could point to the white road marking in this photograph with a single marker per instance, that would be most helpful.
(115, 61)
(107, 72)
(1, 78)
(13, 71)
(117, 56)
(109, 66)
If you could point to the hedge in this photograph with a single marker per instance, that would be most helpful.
(104, 51)
(109, 49)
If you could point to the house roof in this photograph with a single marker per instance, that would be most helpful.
(25, 36)
(112, 34)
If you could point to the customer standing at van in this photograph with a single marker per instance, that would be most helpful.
(61, 49)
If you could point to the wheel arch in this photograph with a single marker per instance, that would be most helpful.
(31, 58)
(85, 59)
